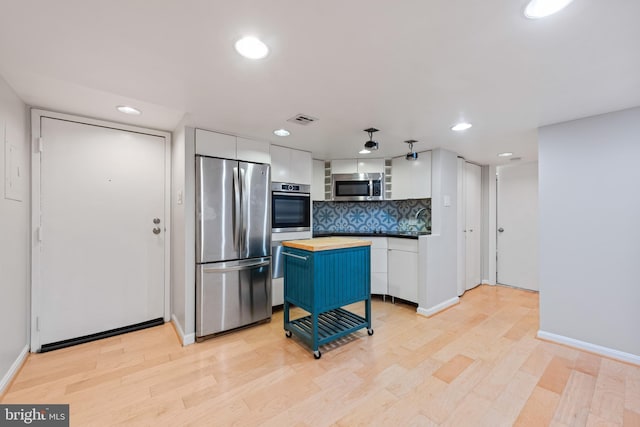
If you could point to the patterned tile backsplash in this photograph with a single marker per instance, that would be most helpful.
(387, 216)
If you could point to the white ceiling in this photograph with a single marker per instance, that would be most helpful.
(411, 68)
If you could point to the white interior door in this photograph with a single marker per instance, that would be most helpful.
(473, 215)
(101, 264)
(517, 212)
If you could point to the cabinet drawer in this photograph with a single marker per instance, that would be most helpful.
(408, 245)
(377, 242)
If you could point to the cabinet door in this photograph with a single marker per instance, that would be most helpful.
(370, 165)
(215, 144)
(379, 284)
(403, 275)
(400, 178)
(300, 165)
(378, 260)
(317, 186)
(251, 150)
(277, 291)
(411, 179)
(280, 159)
(421, 176)
(344, 166)
(473, 210)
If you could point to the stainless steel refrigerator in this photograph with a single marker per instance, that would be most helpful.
(233, 244)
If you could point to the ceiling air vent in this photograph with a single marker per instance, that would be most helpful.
(302, 119)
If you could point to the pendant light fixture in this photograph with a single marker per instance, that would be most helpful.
(371, 144)
(412, 155)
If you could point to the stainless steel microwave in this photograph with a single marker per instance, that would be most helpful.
(357, 186)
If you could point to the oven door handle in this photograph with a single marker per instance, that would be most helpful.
(279, 193)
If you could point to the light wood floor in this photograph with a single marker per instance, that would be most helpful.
(476, 364)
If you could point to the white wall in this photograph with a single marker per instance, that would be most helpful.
(177, 228)
(589, 200)
(183, 230)
(441, 246)
(14, 238)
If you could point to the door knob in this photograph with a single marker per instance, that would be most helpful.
(500, 229)
(156, 220)
(156, 230)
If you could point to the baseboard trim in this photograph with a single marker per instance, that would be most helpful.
(428, 312)
(185, 339)
(592, 348)
(13, 370)
(486, 282)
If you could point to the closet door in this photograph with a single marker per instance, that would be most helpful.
(473, 215)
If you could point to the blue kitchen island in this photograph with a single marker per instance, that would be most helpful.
(321, 276)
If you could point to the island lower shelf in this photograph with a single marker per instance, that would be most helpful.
(332, 325)
(322, 282)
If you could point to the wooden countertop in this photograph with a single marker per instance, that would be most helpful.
(325, 243)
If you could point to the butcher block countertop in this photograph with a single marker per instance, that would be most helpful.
(325, 243)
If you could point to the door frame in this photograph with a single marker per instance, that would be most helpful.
(36, 284)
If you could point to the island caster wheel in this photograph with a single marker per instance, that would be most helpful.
(370, 331)
(317, 354)
(287, 334)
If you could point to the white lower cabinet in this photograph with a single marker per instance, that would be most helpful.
(277, 291)
(403, 268)
(379, 265)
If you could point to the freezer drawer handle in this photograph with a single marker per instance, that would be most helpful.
(236, 268)
(295, 256)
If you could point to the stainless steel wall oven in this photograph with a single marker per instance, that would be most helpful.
(290, 207)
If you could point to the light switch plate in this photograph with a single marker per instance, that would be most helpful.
(13, 170)
(446, 200)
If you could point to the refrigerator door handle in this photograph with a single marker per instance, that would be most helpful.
(244, 208)
(236, 209)
(236, 267)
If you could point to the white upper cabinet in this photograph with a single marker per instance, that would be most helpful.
(370, 165)
(344, 166)
(317, 185)
(289, 165)
(215, 144)
(357, 166)
(251, 150)
(411, 179)
(280, 159)
(300, 167)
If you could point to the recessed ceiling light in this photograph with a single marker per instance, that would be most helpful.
(461, 126)
(252, 48)
(364, 151)
(128, 110)
(282, 132)
(540, 8)
(505, 154)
